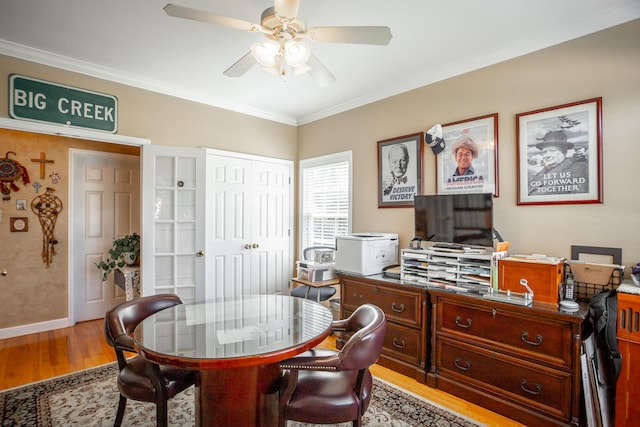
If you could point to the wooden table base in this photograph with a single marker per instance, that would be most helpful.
(238, 397)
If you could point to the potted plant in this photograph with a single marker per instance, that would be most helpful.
(125, 251)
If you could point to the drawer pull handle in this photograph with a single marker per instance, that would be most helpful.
(459, 365)
(397, 309)
(523, 386)
(463, 325)
(398, 344)
(525, 334)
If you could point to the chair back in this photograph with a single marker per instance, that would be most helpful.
(368, 325)
(120, 321)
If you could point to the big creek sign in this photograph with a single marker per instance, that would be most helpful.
(41, 101)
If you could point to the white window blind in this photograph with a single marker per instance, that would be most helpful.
(325, 195)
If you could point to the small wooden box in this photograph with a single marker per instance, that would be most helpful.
(544, 276)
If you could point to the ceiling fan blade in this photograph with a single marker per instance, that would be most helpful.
(319, 72)
(199, 15)
(356, 35)
(287, 9)
(241, 66)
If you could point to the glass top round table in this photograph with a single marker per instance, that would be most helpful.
(235, 345)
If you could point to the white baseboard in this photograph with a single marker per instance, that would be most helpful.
(34, 328)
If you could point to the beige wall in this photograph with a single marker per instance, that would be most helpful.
(162, 119)
(168, 120)
(605, 64)
(31, 291)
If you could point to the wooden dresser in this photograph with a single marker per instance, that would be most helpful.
(521, 362)
(406, 346)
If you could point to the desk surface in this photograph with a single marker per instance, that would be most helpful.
(248, 331)
(318, 284)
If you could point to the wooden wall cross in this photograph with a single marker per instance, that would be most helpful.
(43, 163)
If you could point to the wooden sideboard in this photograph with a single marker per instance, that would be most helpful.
(406, 346)
(522, 362)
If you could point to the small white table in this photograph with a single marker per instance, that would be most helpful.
(128, 278)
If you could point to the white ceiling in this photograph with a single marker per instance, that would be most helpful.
(134, 42)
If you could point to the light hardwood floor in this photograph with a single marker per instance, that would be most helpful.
(36, 357)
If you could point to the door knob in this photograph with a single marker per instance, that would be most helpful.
(247, 246)
(256, 246)
(200, 254)
(4, 272)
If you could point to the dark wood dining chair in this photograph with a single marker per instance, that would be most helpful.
(138, 378)
(309, 292)
(327, 387)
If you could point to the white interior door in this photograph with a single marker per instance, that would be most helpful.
(228, 205)
(271, 226)
(106, 204)
(250, 220)
(173, 234)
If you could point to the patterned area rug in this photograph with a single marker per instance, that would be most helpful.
(90, 398)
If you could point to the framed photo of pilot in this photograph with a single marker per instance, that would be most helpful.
(400, 170)
(560, 154)
(469, 162)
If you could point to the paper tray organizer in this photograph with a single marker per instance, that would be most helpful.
(590, 278)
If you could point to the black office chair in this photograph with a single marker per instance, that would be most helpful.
(309, 292)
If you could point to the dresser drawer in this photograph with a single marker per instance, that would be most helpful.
(535, 386)
(403, 343)
(399, 305)
(533, 337)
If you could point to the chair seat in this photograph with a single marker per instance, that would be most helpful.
(327, 397)
(326, 292)
(134, 381)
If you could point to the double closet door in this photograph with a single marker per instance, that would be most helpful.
(215, 224)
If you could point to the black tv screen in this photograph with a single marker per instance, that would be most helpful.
(465, 219)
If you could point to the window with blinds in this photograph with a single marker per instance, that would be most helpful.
(325, 197)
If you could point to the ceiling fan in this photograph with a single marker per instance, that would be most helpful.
(284, 52)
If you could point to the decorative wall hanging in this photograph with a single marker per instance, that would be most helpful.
(43, 164)
(10, 172)
(47, 207)
(55, 177)
(470, 162)
(399, 170)
(559, 154)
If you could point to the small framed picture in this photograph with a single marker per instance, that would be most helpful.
(400, 170)
(19, 224)
(21, 205)
(559, 154)
(469, 163)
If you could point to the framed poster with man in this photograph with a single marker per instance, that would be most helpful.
(399, 170)
(559, 154)
(469, 163)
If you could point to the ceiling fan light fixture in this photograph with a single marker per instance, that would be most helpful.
(296, 53)
(266, 52)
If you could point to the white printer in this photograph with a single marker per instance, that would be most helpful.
(366, 254)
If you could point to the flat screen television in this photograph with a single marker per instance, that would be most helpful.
(465, 219)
